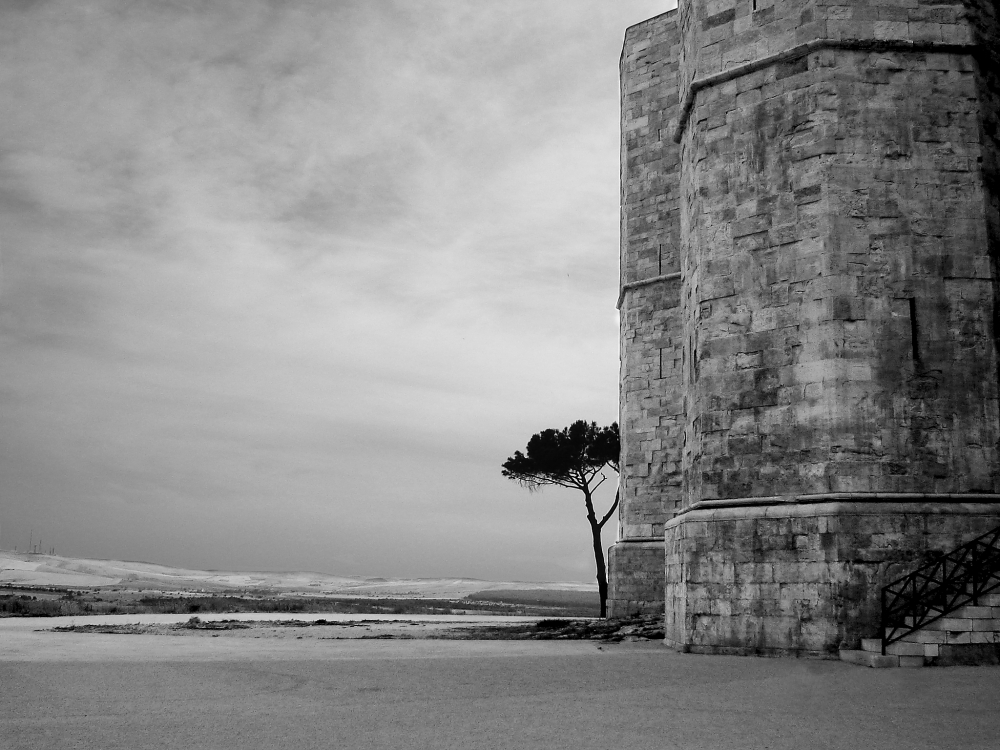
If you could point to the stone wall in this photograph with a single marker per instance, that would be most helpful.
(651, 406)
(799, 579)
(984, 19)
(651, 347)
(636, 581)
(836, 261)
(823, 324)
(837, 275)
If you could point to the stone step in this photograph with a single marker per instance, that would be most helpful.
(868, 659)
(877, 661)
(964, 619)
(899, 648)
(957, 625)
(922, 636)
(986, 608)
(990, 600)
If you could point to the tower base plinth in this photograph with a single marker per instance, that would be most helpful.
(636, 578)
(800, 578)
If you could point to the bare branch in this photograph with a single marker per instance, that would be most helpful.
(611, 511)
(603, 479)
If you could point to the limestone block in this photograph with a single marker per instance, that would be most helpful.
(977, 613)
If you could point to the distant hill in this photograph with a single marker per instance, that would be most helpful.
(22, 569)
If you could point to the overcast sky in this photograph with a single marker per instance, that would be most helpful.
(283, 283)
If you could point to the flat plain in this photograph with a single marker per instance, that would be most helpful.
(100, 691)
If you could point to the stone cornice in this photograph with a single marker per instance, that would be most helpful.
(644, 282)
(800, 50)
(641, 540)
(850, 497)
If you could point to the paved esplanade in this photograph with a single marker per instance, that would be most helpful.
(105, 691)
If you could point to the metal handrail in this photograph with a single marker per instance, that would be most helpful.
(940, 586)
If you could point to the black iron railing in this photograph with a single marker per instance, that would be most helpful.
(941, 586)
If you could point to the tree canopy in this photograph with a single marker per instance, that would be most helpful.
(570, 457)
(573, 457)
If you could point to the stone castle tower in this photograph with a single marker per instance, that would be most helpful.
(809, 365)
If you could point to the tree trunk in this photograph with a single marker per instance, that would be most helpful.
(602, 575)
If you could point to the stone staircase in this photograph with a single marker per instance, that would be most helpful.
(944, 613)
(969, 635)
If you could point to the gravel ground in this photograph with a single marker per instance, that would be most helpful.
(100, 691)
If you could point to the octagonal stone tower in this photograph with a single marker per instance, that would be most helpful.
(809, 382)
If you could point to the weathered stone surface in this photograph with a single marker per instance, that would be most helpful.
(810, 236)
(651, 406)
(801, 578)
(636, 587)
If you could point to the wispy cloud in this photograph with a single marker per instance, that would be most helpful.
(284, 282)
